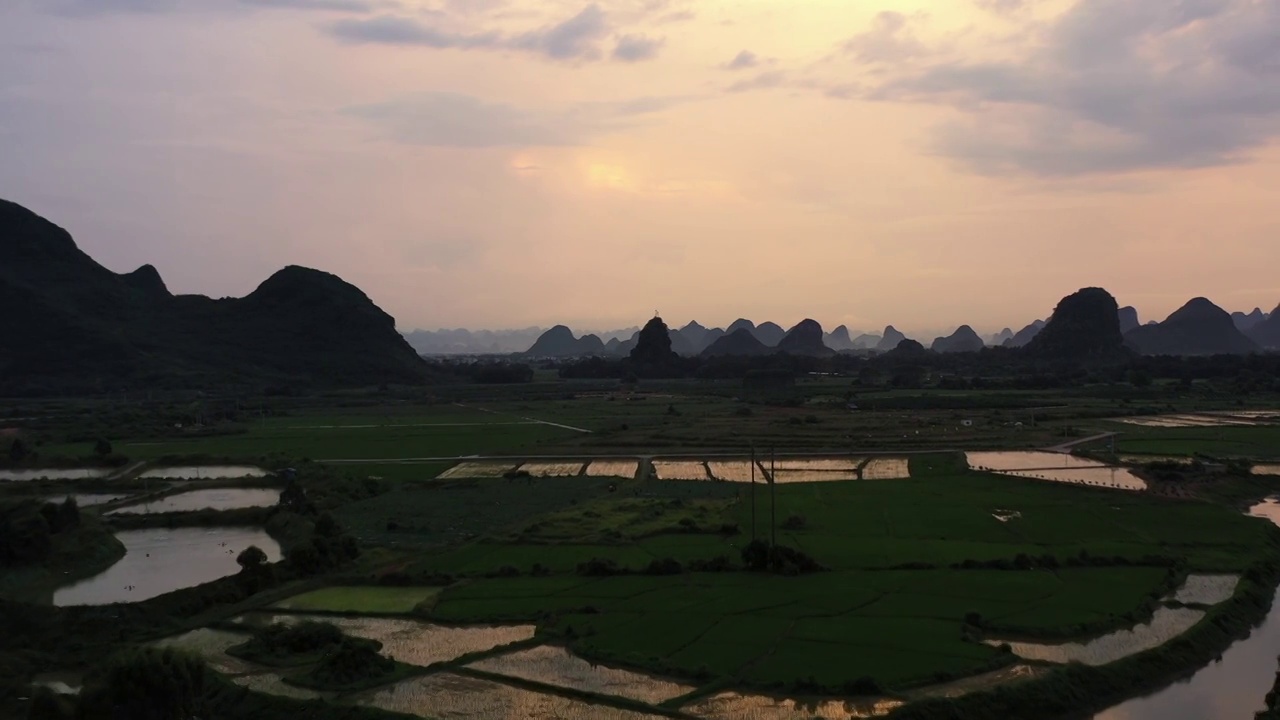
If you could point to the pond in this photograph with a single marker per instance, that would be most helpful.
(205, 472)
(210, 499)
(161, 560)
(556, 666)
(54, 474)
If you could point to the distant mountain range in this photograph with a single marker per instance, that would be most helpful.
(70, 324)
(1088, 325)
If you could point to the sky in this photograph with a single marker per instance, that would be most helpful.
(507, 163)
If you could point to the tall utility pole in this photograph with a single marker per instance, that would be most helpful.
(773, 499)
(753, 493)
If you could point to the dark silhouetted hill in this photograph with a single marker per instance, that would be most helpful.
(690, 339)
(769, 333)
(1197, 328)
(1266, 333)
(1001, 337)
(653, 345)
(739, 342)
(559, 341)
(1025, 335)
(85, 328)
(890, 339)
(839, 339)
(908, 349)
(1084, 327)
(964, 339)
(1245, 322)
(805, 339)
(867, 341)
(1128, 319)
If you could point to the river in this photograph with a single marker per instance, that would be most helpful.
(1233, 688)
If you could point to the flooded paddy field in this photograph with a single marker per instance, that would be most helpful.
(364, 599)
(204, 472)
(886, 469)
(680, 470)
(457, 697)
(87, 499)
(739, 706)
(1191, 421)
(1207, 589)
(1056, 467)
(742, 471)
(273, 684)
(553, 665)
(211, 646)
(412, 641)
(479, 469)
(1266, 470)
(1165, 625)
(12, 475)
(209, 499)
(613, 468)
(161, 560)
(1005, 460)
(553, 469)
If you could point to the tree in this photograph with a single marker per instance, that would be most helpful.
(18, 451)
(149, 684)
(102, 447)
(327, 527)
(251, 558)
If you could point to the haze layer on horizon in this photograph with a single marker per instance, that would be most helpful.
(507, 163)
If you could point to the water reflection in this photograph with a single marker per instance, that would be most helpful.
(210, 499)
(161, 560)
(557, 666)
(1234, 687)
(466, 698)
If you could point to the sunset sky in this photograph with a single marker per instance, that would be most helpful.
(504, 163)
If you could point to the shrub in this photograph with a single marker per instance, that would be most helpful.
(795, 522)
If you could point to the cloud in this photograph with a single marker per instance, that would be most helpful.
(356, 6)
(1003, 7)
(100, 7)
(890, 40)
(634, 48)
(761, 81)
(441, 119)
(577, 38)
(743, 61)
(395, 30)
(455, 120)
(1112, 88)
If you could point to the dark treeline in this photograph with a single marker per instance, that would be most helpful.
(992, 368)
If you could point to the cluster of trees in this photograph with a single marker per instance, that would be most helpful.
(993, 368)
(484, 372)
(28, 528)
